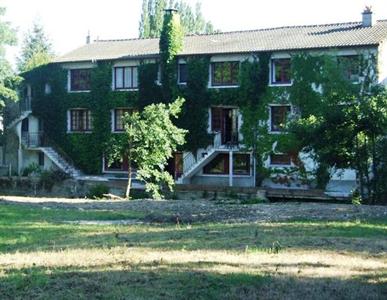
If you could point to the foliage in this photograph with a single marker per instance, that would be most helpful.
(8, 80)
(171, 43)
(36, 49)
(48, 178)
(151, 140)
(31, 169)
(52, 109)
(98, 191)
(194, 116)
(341, 126)
(152, 16)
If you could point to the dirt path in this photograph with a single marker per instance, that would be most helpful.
(208, 211)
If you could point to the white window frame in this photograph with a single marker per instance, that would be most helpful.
(270, 118)
(179, 82)
(114, 77)
(210, 86)
(69, 120)
(272, 72)
(113, 119)
(69, 90)
(291, 164)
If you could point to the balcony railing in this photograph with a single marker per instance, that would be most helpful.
(33, 139)
(25, 104)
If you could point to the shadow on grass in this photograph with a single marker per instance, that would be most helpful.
(182, 282)
(242, 237)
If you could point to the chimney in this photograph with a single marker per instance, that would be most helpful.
(88, 38)
(170, 11)
(367, 17)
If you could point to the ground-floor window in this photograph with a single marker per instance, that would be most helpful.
(220, 165)
(283, 159)
(118, 165)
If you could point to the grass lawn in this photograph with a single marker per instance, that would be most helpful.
(45, 256)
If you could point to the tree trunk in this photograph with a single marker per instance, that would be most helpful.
(375, 186)
(360, 170)
(129, 186)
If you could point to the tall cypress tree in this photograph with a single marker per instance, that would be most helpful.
(36, 50)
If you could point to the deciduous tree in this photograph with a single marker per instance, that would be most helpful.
(150, 140)
(193, 21)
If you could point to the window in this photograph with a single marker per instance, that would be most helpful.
(220, 165)
(183, 73)
(225, 73)
(80, 80)
(118, 121)
(278, 117)
(41, 159)
(125, 78)
(47, 89)
(241, 164)
(118, 165)
(280, 71)
(80, 120)
(350, 66)
(280, 159)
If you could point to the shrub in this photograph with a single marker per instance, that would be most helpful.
(31, 169)
(98, 191)
(48, 178)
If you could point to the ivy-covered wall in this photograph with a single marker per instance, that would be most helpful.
(253, 96)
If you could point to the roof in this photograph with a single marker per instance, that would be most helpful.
(351, 34)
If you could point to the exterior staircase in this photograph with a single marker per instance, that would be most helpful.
(60, 162)
(37, 141)
(191, 164)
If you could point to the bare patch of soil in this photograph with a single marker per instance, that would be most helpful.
(194, 211)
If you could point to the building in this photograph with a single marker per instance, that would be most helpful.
(225, 161)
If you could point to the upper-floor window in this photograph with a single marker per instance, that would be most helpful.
(225, 73)
(278, 117)
(280, 71)
(125, 78)
(350, 65)
(183, 73)
(118, 121)
(80, 80)
(80, 120)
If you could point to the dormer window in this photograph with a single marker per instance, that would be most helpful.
(125, 78)
(182, 74)
(225, 74)
(80, 80)
(280, 71)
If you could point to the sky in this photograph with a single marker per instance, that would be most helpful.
(67, 22)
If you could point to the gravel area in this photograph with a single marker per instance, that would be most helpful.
(193, 211)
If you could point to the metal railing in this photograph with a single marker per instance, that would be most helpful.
(32, 139)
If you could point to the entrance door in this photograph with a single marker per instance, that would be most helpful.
(25, 125)
(175, 165)
(225, 121)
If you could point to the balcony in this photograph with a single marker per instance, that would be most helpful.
(32, 139)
